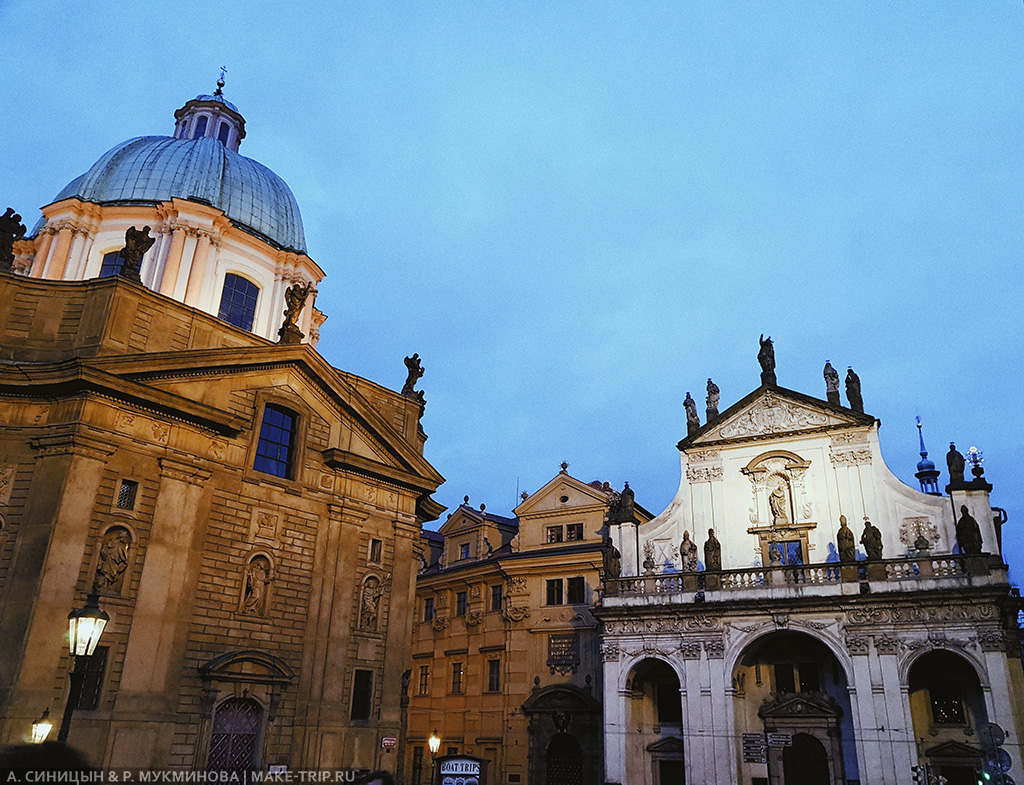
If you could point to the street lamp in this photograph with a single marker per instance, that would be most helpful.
(85, 626)
(41, 728)
(434, 742)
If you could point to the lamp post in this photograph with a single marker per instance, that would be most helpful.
(41, 728)
(85, 626)
(434, 742)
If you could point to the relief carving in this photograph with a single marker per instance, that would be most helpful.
(715, 649)
(440, 623)
(887, 644)
(704, 474)
(254, 591)
(473, 618)
(517, 584)
(113, 560)
(610, 652)
(857, 644)
(690, 650)
(850, 457)
(6, 484)
(912, 529)
(992, 640)
(515, 613)
(771, 415)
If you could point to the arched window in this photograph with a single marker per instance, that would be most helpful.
(234, 743)
(200, 127)
(238, 301)
(112, 263)
(223, 132)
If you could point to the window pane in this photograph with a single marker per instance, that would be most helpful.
(223, 132)
(126, 495)
(200, 127)
(577, 589)
(428, 609)
(493, 675)
(93, 667)
(456, 677)
(238, 301)
(496, 597)
(362, 686)
(555, 592)
(574, 532)
(461, 605)
(424, 679)
(554, 533)
(112, 263)
(274, 449)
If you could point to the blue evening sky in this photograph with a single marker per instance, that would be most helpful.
(576, 212)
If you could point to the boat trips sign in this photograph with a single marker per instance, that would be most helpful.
(460, 770)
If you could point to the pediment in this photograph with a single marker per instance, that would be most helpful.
(953, 749)
(549, 498)
(811, 704)
(669, 746)
(774, 411)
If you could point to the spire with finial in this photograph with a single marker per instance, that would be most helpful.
(565, 467)
(926, 473)
(220, 82)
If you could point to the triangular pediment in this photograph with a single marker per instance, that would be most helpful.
(575, 492)
(953, 749)
(774, 411)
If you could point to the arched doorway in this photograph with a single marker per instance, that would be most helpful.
(947, 704)
(564, 761)
(234, 743)
(656, 711)
(806, 762)
(791, 685)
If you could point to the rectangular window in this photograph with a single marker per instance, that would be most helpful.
(493, 675)
(362, 690)
(112, 264)
(497, 597)
(424, 680)
(456, 677)
(93, 669)
(564, 650)
(461, 604)
(428, 609)
(126, 495)
(809, 681)
(417, 766)
(376, 546)
(554, 533)
(554, 591)
(574, 532)
(238, 301)
(947, 703)
(223, 133)
(274, 449)
(785, 680)
(464, 550)
(577, 591)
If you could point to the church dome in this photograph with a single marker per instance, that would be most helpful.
(199, 164)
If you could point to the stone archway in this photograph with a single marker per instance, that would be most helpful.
(565, 727)
(805, 762)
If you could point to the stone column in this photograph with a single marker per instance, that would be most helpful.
(870, 752)
(998, 697)
(614, 716)
(42, 585)
(700, 762)
(725, 740)
(42, 254)
(173, 264)
(59, 258)
(79, 254)
(198, 270)
(153, 665)
(899, 723)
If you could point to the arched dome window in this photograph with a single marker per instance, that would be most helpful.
(200, 127)
(223, 133)
(238, 301)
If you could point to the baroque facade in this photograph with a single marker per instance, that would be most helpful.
(248, 515)
(506, 660)
(862, 649)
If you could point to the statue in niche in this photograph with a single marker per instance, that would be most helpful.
(712, 552)
(871, 539)
(11, 229)
(955, 463)
(766, 356)
(713, 394)
(853, 390)
(136, 244)
(688, 553)
(612, 560)
(415, 368)
(846, 541)
(257, 576)
(113, 560)
(778, 502)
(692, 420)
(369, 604)
(831, 384)
(649, 563)
(968, 533)
(774, 555)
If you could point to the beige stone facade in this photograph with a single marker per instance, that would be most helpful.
(131, 464)
(506, 658)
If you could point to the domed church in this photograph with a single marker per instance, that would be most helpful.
(229, 236)
(178, 459)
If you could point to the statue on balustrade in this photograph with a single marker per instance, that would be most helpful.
(846, 541)
(692, 419)
(831, 384)
(968, 533)
(871, 539)
(688, 553)
(955, 463)
(612, 560)
(712, 552)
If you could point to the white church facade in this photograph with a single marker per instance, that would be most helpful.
(778, 655)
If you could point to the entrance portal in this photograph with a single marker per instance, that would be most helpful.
(806, 762)
(564, 761)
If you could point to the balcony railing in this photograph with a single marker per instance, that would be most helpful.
(888, 574)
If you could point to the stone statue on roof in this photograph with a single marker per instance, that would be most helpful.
(713, 393)
(955, 463)
(766, 356)
(11, 229)
(136, 244)
(968, 533)
(415, 368)
(692, 419)
(831, 384)
(853, 391)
